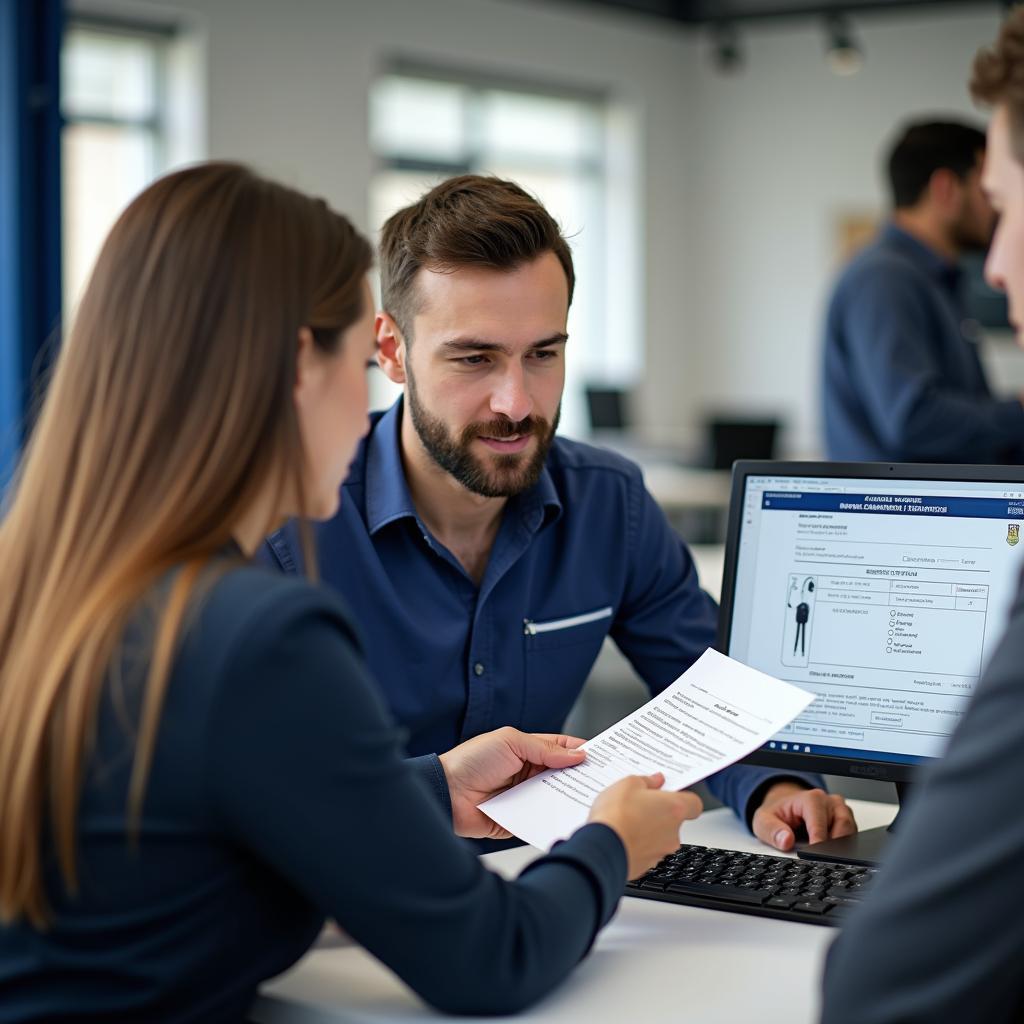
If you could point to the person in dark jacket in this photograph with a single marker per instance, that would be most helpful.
(942, 938)
(197, 769)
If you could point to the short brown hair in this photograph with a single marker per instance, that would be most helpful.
(998, 76)
(470, 220)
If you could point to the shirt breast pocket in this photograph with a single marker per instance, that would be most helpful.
(558, 655)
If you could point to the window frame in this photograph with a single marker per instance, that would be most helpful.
(160, 37)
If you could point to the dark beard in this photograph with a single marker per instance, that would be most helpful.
(968, 237)
(968, 240)
(506, 475)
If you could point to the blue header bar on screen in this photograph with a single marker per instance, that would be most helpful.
(880, 503)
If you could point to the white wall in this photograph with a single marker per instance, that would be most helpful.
(288, 86)
(741, 177)
(785, 148)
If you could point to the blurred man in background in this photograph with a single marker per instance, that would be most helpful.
(903, 381)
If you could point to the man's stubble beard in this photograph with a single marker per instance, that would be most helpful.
(967, 235)
(506, 475)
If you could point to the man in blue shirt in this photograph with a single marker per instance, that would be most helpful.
(485, 558)
(902, 377)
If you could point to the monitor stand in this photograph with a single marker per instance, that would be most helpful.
(865, 847)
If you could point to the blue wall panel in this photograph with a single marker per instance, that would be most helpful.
(30, 247)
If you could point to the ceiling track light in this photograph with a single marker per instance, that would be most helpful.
(726, 53)
(844, 54)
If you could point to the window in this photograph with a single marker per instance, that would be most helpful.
(426, 126)
(122, 87)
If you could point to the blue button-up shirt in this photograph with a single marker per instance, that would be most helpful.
(902, 377)
(584, 554)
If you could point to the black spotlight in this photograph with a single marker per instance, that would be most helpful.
(844, 54)
(727, 55)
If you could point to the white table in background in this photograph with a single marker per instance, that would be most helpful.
(710, 562)
(654, 963)
(682, 488)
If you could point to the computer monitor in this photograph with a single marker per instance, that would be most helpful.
(607, 408)
(730, 440)
(883, 589)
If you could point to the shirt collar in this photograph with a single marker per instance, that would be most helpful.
(935, 264)
(387, 492)
(540, 504)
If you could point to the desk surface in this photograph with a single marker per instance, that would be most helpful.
(653, 963)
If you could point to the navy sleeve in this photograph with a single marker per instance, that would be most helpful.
(305, 768)
(941, 939)
(885, 319)
(431, 771)
(666, 622)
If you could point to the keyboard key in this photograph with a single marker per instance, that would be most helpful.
(811, 907)
(657, 884)
(732, 893)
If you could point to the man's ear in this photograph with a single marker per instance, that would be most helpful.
(392, 350)
(945, 189)
(308, 366)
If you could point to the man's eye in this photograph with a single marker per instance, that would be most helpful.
(471, 360)
(545, 353)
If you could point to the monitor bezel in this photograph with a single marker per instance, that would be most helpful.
(831, 764)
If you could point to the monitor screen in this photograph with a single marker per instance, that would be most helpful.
(884, 595)
(607, 408)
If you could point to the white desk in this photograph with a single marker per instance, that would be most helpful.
(654, 962)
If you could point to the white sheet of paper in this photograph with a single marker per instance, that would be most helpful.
(715, 713)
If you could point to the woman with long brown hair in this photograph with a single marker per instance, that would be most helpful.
(196, 770)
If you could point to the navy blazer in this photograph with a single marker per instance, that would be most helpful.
(278, 795)
(941, 938)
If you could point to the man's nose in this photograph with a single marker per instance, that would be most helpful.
(510, 397)
(993, 274)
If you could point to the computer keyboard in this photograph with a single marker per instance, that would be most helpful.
(814, 892)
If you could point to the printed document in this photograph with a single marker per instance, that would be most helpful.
(715, 713)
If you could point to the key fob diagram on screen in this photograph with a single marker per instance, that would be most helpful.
(799, 611)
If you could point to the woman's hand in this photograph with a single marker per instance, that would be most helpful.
(488, 764)
(646, 818)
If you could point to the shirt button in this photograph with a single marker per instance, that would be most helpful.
(478, 668)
